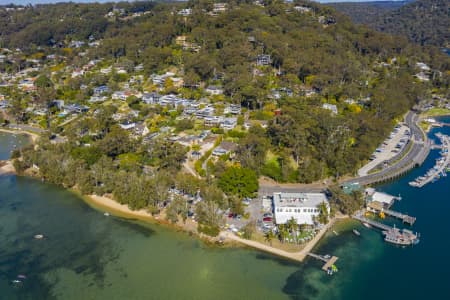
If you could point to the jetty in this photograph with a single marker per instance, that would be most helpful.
(328, 260)
(391, 234)
(441, 167)
(377, 207)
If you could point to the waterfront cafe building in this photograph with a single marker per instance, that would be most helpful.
(303, 207)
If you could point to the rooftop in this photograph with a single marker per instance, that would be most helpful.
(298, 199)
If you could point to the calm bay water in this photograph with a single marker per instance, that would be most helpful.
(86, 255)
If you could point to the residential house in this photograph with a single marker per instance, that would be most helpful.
(58, 103)
(141, 129)
(151, 98)
(127, 125)
(229, 123)
(331, 107)
(263, 60)
(302, 207)
(214, 90)
(76, 108)
(97, 99)
(99, 90)
(106, 70)
(185, 12)
(233, 109)
(302, 9)
(213, 121)
(120, 95)
(205, 112)
(224, 148)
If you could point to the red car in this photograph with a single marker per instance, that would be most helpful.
(267, 219)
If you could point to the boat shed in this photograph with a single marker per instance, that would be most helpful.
(385, 199)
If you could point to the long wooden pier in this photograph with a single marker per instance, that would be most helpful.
(378, 207)
(329, 262)
(373, 223)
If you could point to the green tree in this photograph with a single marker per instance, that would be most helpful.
(238, 181)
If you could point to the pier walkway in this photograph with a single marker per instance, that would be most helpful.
(378, 207)
(329, 261)
(373, 223)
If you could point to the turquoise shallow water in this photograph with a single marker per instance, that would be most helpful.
(86, 255)
(9, 142)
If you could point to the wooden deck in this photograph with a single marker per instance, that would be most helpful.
(329, 263)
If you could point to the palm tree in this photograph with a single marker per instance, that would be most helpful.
(269, 237)
(292, 226)
(283, 232)
(323, 213)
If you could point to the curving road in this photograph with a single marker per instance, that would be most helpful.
(416, 156)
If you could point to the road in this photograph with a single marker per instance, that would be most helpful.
(418, 153)
(26, 128)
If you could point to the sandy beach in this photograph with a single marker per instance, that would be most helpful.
(121, 210)
(7, 168)
(113, 207)
(33, 136)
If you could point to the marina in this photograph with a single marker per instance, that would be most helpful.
(441, 167)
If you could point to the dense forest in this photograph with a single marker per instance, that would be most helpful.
(426, 22)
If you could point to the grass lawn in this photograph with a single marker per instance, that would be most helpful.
(436, 112)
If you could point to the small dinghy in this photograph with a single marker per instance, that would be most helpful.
(356, 232)
(39, 236)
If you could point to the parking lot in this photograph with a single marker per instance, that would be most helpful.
(255, 210)
(390, 147)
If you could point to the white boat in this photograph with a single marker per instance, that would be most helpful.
(367, 225)
(106, 214)
(39, 236)
(356, 232)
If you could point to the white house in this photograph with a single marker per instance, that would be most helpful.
(214, 90)
(229, 123)
(331, 107)
(303, 207)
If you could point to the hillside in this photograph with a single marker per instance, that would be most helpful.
(325, 91)
(426, 22)
(367, 12)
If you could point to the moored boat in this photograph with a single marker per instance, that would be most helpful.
(356, 232)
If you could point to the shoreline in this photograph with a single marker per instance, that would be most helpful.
(34, 136)
(109, 205)
(106, 204)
